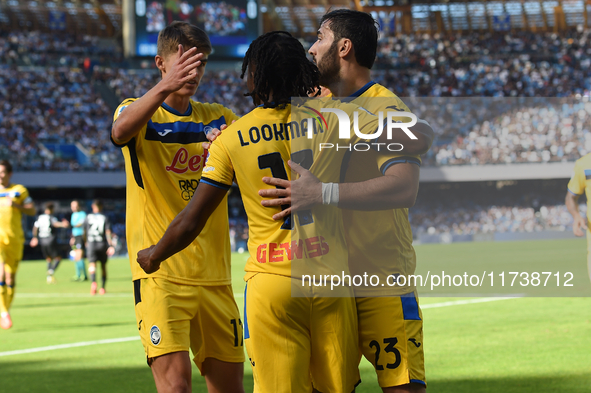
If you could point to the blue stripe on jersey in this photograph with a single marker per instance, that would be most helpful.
(215, 183)
(175, 112)
(359, 92)
(399, 160)
(246, 331)
(587, 174)
(181, 132)
(12, 194)
(410, 307)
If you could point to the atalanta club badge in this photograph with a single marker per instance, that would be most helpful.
(155, 335)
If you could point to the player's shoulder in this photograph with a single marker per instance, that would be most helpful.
(18, 188)
(124, 104)
(210, 108)
(584, 161)
(377, 90)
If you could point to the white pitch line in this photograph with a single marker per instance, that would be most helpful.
(66, 295)
(72, 345)
(50, 295)
(468, 301)
(134, 338)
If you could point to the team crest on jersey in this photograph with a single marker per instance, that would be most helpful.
(188, 188)
(155, 335)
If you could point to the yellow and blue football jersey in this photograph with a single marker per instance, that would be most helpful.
(11, 228)
(260, 144)
(163, 165)
(580, 182)
(379, 242)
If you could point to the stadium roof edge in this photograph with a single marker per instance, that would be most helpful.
(463, 173)
(466, 173)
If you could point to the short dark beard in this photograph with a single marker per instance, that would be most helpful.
(329, 67)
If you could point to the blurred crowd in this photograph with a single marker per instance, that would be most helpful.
(528, 103)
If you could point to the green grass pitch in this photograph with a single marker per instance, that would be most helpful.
(513, 345)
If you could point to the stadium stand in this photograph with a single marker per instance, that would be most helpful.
(58, 91)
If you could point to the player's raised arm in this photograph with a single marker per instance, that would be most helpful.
(186, 226)
(138, 113)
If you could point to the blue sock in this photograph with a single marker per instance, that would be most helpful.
(81, 268)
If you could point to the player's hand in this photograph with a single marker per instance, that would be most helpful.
(144, 258)
(300, 194)
(183, 70)
(34, 242)
(213, 135)
(579, 226)
(72, 241)
(110, 251)
(66, 223)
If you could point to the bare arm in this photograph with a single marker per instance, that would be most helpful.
(579, 223)
(27, 208)
(186, 226)
(397, 189)
(139, 112)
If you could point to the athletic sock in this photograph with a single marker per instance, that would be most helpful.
(78, 271)
(93, 277)
(9, 295)
(3, 300)
(104, 281)
(49, 269)
(81, 269)
(56, 263)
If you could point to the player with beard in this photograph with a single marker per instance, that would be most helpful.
(379, 242)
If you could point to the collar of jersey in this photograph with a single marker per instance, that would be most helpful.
(363, 89)
(175, 112)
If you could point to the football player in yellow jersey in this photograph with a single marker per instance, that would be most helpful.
(14, 201)
(189, 303)
(296, 339)
(380, 242)
(579, 184)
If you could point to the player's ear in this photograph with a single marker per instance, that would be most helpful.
(345, 47)
(159, 60)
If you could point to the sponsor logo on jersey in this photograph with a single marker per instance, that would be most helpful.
(155, 335)
(182, 163)
(188, 188)
(165, 132)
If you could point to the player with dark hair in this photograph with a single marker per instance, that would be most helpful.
(189, 303)
(14, 202)
(44, 234)
(77, 240)
(379, 242)
(295, 337)
(99, 244)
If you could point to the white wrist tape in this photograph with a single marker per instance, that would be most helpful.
(330, 194)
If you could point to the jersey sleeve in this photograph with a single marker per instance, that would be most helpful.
(116, 115)
(53, 220)
(576, 185)
(218, 171)
(230, 116)
(24, 196)
(107, 224)
(385, 161)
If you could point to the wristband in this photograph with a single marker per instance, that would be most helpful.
(330, 194)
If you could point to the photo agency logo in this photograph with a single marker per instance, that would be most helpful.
(387, 121)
